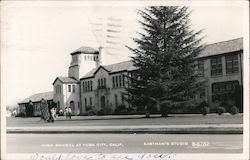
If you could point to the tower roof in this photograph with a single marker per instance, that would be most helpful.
(85, 50)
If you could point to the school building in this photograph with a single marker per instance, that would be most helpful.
(92, 85)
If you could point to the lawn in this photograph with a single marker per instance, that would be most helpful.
(129, 120)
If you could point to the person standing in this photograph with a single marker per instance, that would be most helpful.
(52, 113)
(68, 112)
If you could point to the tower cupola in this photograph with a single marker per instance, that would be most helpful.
(83, 60)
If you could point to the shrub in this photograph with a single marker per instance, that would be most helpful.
(205, 110)
(21, 114)
(91, 113)
(164, 109)
(119, 109)
(234, 110)
(221, 110)
(89, 107)
(152, 109)
(105, 111)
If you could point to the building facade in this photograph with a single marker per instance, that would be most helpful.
(91, 85)
(30, 106)
(221, 68)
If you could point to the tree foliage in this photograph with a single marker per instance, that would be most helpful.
(164, 56)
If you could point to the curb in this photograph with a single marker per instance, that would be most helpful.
(199, 130)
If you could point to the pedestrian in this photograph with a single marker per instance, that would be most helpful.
(52, 113)
(61, 112)
(68, 112)
(44, 110)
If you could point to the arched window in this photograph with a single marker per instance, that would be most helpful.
(74, 88)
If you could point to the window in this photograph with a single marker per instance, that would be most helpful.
(201, 68)
(69, 88)
(91, 86)
(85, 102)
(202, 93)
(82, 86)
(113, 79)
(122, 95)
(224, 90)
(232, 64)
(90, 101)
(120, 80)
(74, 89)
(99, 84)
(104, 85)
(216, 66)
(116, 100)
(88, 86)
(116, 81)
(123, 80)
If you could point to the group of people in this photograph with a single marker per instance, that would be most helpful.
(48, 112)
(67, 112)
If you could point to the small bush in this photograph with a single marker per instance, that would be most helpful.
(91, 113)
(21, 114)
(164, 109)
(234, 110)
(105, 111)
(119, 109)
(221, 110)
(152, 109)
(205, 110)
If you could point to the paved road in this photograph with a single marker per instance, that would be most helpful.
(123, 143)
(128, 120)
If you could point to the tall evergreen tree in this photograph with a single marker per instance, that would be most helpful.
(164, 56)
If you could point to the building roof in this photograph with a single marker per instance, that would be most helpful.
(209, 50)
(38, 97)
(222, 48)
(85, 50)
(112, 68)
(66, 80)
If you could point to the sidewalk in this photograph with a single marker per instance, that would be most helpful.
(132, 129)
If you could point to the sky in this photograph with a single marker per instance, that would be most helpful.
(37, 39)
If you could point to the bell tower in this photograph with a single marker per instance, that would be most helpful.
(83, 60)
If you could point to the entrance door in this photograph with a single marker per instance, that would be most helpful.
(102, 101)
(72, 106)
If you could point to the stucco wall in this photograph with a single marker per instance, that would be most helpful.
(224, 77)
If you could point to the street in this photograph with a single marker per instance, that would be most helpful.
(128, 120)
(124, 143)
